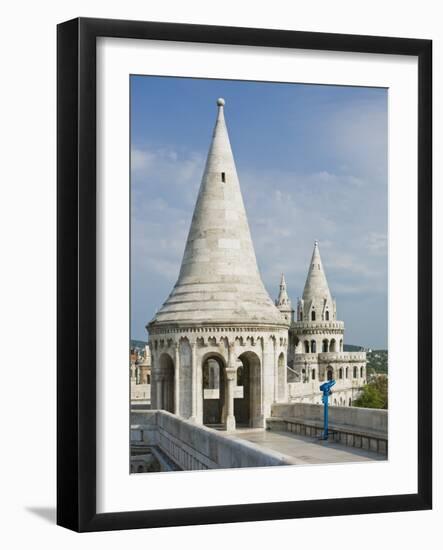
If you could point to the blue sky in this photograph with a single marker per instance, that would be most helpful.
(312, 164)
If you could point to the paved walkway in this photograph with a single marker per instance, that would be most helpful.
(306, 450)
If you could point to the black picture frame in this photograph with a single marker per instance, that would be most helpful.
(76, 279)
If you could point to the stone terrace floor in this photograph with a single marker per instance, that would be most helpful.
(305, 450)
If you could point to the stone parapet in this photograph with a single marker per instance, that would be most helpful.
(300, 326)
(351, 426)
(342, 357)
(194, 447)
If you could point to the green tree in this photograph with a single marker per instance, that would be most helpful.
(374, 395)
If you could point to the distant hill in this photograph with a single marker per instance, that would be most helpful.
(138, 344)
(350, 347)
(377, 360)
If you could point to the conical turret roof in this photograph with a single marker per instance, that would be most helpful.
(316, 286)
(219, 281)
(283, 298)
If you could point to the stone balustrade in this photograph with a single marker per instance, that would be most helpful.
(318, 325)
(330, 357)
(195, 447)
(351, 426)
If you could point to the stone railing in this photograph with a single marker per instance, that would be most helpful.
(342, 356)
(330, 357)
(351, 426)
(318, 325)
(194, 447)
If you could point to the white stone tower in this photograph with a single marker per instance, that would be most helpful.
(316, 343)
(218, 343)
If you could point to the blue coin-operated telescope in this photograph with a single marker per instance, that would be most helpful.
(326, 389)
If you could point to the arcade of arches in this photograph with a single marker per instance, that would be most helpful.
(226, 388)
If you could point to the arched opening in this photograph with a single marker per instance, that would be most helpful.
(247, 396)
(332, 345)
(340, 373)
(341, 345)
(330, 373)
(361, 372)
(325, 345)
(313, 346)
(296, 343)
(313, 315)
(355, 372)
(165, 385)
(327, 315)
(347, 372)
(306, 343)
(213, 390)
(313, 374)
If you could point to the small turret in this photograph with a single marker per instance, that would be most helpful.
(283, 302)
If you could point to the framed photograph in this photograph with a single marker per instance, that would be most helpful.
(244, 274)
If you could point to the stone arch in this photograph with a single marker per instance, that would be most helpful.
(306, 345)
(333, 345)
(248, 409)
(329, 373)
(213, 388)
(281, 373)
(355, 372)
(325, 345)
(165, 383)
(313, 346)
(340, 373)
(341, 345)
(362, 371)
(296, 343)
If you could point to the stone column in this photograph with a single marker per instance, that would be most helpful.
(231, 374)
(275, 371)
(159, 392)
(198, 390)
(177, 380)
(268, 376)
(194, 389)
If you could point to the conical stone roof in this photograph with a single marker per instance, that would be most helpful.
(316, 292)
(283, 298)
(219, 281)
